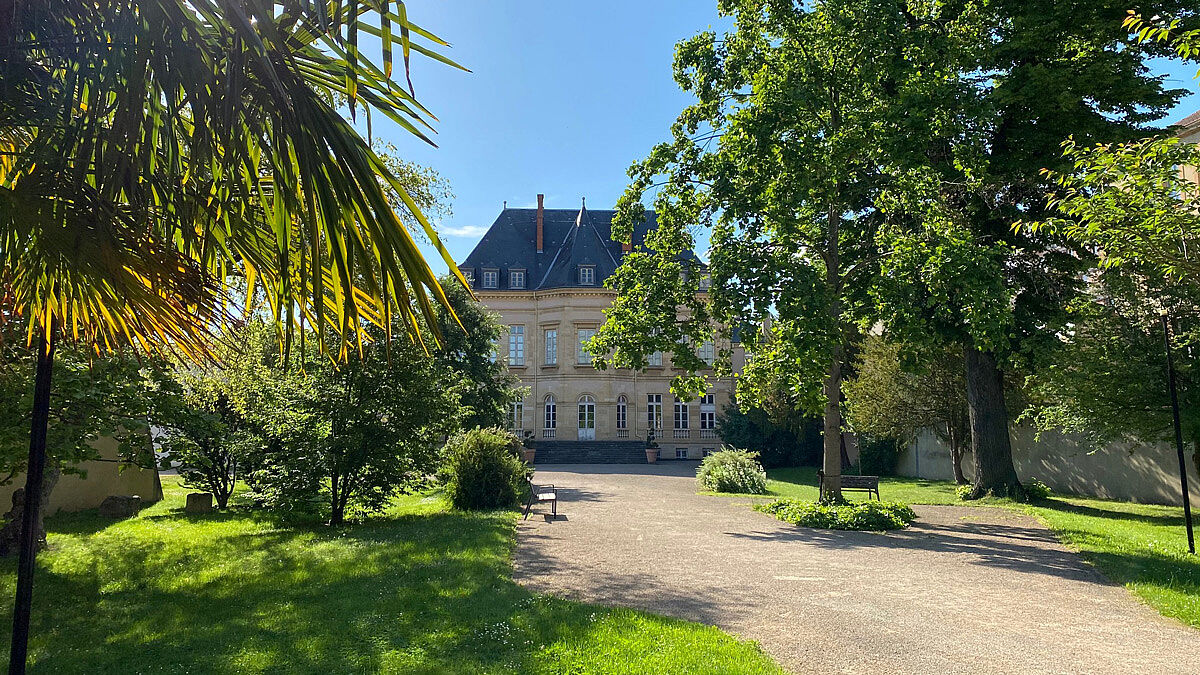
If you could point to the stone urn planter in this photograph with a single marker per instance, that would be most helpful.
(651, 455)
(528, 454)
(651, 447)
(527, 447)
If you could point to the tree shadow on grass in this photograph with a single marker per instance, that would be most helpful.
(430, 593)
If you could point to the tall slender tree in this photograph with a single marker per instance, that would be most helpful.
(152, 150)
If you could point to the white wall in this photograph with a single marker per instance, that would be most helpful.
(1132, 472)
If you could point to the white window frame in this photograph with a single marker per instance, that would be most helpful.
(551, 337)
(550, 412)
(516, 415)
(681, 453)
(655, 360)
(622, 412)
(708, 352)
(681, 415)
(708, 413)
(469, 275)
(654, 411)
(491, 279)
(582, 335)
(516, 279)
(587, 275)
(516, 345)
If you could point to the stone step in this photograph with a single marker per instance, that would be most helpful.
(590, 452)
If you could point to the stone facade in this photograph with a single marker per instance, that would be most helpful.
(543, 271)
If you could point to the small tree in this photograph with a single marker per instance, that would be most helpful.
(482, 469)
(893, 399)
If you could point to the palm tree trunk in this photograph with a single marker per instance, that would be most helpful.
(30, 518)
(994, 470)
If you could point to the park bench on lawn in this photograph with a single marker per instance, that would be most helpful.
(539, 494)
(867, 484)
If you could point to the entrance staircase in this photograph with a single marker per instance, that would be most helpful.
(590, 452)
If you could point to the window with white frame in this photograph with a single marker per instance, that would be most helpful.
(516, 345)
(468, 274)
(708, 413)
(681, 453)
(654, 411)
(550, 421)
(551, 346)
(585, 334)
(654, 360)
(622, 412)
(516, 415)
(708, 451)
(681, 414)
(708, 352)
(705, 282)
(516, 279)
(587, 275)
(491, 278)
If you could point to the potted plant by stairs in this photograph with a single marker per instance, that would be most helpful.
(651, 448)
(527, 447)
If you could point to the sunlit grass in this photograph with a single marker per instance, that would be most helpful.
(422, 590)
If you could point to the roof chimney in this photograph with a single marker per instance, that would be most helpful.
(540, 223)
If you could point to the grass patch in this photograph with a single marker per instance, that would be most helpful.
(422, 590)
(1142, 546)
(870, 516)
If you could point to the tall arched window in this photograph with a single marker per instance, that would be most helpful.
(622, 412)
(587, 418)
(550, 422)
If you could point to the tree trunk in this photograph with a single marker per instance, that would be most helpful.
(994, 471)
(337, 510)
(832, 457)
(34, 487)
(956, 455)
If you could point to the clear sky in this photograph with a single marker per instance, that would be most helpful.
(563, 96)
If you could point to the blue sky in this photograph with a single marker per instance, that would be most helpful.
(562, 98)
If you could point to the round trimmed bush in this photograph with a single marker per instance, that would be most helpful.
(482, 469)
(730, 470)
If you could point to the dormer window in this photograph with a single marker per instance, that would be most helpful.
(516, 279)
(587, 275)
(468, 274)
(491, 278)
(705, 282)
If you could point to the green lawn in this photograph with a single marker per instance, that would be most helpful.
(1142, 546)
(422, 590)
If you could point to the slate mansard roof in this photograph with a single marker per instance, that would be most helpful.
(572, 238)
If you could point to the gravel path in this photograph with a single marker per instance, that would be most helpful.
(964, 590)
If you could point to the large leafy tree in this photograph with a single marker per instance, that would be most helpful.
(961, 274)
(798, 109)
(153, 149)
(1135, 204)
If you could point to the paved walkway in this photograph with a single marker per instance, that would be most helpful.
(964, 590)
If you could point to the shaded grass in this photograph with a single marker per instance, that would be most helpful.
(422, 590)
(1142, 546)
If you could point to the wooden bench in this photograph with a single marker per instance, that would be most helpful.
(539, 494)
(867, 484)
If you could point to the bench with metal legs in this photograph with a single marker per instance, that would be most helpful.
(539, 494)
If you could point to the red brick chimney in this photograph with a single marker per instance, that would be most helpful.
(540, 222)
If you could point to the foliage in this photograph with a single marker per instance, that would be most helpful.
(424, 589)
(156, 150)
(428, 189)
(869, 515)
(95, 397)
(890, 396)
(877, 456)
(469, 333)
(776, 444)
(1037, 490)
(482, 469)
(732, 470)
(346, 438)
(779, 155)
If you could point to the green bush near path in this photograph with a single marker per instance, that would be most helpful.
(732, 470)
(421, 589)
(871, 516)
(1142, 546)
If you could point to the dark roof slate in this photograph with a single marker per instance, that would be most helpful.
(571, 238)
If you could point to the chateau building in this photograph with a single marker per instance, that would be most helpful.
(543, 271)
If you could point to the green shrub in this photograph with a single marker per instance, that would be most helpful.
(1037, 490)
(873, 516)
(964, 491)
(482, 469)
(731, 470)
(877, 456)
